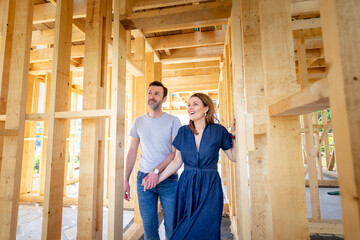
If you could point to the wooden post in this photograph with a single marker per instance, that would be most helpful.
(6, 32)
(222, 113)
(91, 179)
(261, 217)
(149, 71)
(44, 137)
(117, 128)
(107, 133)
(59, 101)
(67, 133)
(72, 139)
(341, 34)
(242, 180)
(315, 120)
(149, 67)
(140, 101)
(32, 136)
(287, 189)
(309, 136)
(326, 140)
(25, 160)
(158, 71)
(15, 115)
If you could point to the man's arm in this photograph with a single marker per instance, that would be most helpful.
(152, 178)
(130, 162)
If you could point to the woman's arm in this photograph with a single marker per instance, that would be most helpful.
(172, 167)
(231, 153)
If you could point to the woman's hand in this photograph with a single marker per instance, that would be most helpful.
(150, 181)
(232, 128)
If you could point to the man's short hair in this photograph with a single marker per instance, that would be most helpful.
(159, 84)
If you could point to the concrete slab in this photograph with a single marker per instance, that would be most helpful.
(30, 222)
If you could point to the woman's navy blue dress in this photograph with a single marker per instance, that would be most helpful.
(199, 201)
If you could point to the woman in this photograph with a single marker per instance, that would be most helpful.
(199, 201)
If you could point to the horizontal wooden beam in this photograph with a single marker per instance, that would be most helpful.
(311, 43)
(306, 23)
(190, 65)
(47, 36)
(189, 25)
(46, 54)
(191, 72)
(304, 7)
(85, 114)
(175, 17)
(29, 198)
(46, 12)
(138, 5)
(148, 47)
(310, 99)
(306, 33)
(133, 68)
(193, 87)
(135, 231)
(187, 54)
(37, 116)
(9, 132)
(196, 39)
(201, 79)
(326, 226)
(38, 66)
(325, 183)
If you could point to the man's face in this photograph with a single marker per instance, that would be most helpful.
(155, 97)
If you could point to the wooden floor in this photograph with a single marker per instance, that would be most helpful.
(225, 230)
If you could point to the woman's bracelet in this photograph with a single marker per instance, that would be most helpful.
(232, 136)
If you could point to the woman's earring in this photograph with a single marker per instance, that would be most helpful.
(205, 114)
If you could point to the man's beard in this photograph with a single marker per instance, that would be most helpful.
(154, 106)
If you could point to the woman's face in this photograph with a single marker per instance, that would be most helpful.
(196, 109)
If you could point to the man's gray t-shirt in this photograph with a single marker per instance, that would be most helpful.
(155, 138)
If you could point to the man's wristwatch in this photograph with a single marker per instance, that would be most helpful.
(156, 171)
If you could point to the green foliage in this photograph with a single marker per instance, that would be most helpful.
(37, 164)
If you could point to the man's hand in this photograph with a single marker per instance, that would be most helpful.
(150, 181)
(126, 190)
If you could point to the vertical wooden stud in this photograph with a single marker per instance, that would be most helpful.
(326, 138)
(158, 71)
(15, 115)
(242, 180)
(117, 126)
(32, 136)
(57, 128)
(44, 137)
(91, 179)
(72, 139)
(309, 144)
(287, 189)
(6, 31)
(25, 159)
(261, 216)
(341, 34)
(140, 101)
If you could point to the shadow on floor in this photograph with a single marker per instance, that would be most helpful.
(325, 237)
(225, 230)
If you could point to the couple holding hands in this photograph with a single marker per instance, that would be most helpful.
(192, 205)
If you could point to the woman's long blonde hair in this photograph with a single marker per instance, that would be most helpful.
(210, 116)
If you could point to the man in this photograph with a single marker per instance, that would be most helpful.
(155, 132)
